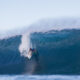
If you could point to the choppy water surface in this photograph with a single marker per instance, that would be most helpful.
(39, 77)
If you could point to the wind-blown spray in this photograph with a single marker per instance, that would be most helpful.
(25, 44)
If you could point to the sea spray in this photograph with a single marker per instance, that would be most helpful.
(25, 44)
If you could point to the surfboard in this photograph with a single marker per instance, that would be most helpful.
(29, 54)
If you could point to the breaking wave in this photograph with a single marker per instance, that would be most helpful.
(58, 48)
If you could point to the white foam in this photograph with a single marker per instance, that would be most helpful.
(40, 77)
(25, 44)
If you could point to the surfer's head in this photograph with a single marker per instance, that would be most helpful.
(32, 49)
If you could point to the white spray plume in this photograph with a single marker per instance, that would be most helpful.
(25, 44)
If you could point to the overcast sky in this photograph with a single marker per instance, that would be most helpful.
(19, 13)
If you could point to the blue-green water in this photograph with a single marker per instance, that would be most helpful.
(59, 53)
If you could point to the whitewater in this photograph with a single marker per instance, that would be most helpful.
(39, 77)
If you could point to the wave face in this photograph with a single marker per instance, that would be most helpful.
(10, 59)
(59, 53)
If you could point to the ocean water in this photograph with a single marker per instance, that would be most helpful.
(39, 77)
(59, 56)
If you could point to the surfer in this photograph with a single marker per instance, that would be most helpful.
(33, 57)
(33, 53)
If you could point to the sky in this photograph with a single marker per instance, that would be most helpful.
(20, 13)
